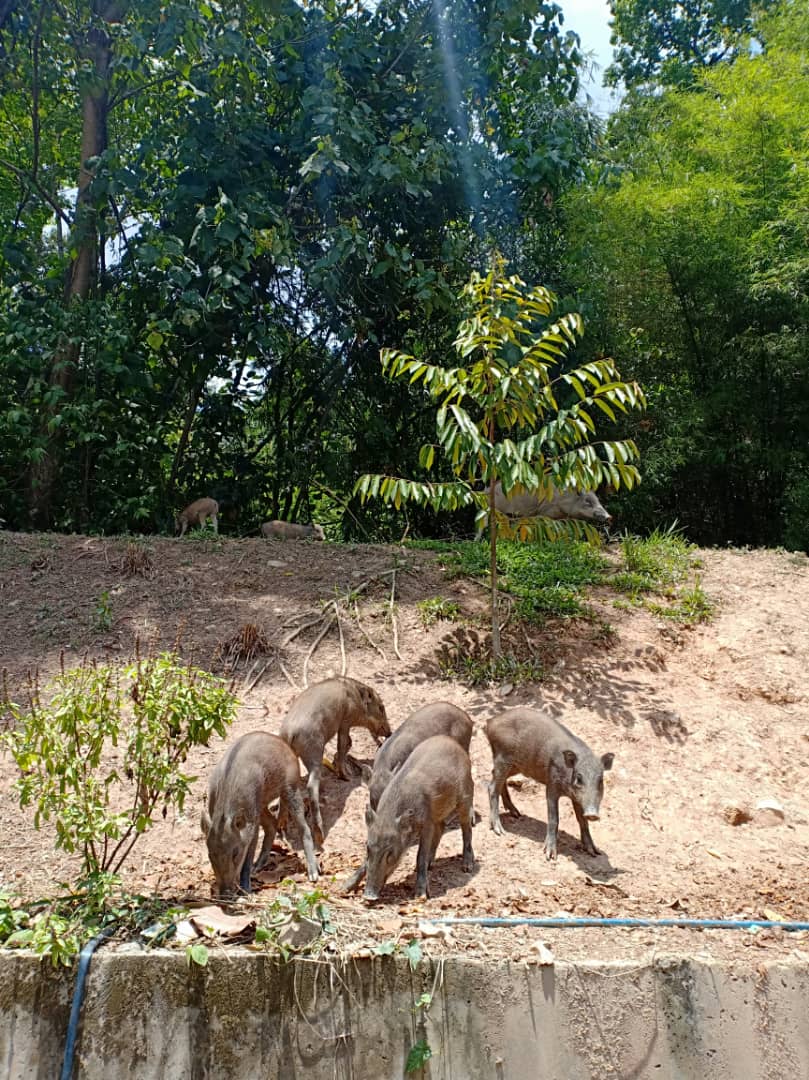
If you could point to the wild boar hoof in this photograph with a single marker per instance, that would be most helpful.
(497, 827)
(550, 853)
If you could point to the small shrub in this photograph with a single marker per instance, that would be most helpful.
(102, 616)
(99, 767)
(663, 558)
(137, 561)
(435, 608)
(693, 605)
(245, 645)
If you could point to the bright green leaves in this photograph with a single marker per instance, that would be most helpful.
(71, 777)
(511, 382)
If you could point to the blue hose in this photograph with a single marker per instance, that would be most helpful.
(563, 923)
(78, 998)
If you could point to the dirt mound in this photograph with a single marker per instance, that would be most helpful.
(704, 723)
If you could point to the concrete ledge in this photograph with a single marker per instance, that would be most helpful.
(248, 1016)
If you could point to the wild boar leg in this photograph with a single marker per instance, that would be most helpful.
(343, 746)
(294, 800)
(501, 770)
(313, 786)
(247, 865)
(508, 803)
(215, 523)
(427, 844)
(438, 832)
(586, 838)
(553, 823)
(269, 824)
(466, 816)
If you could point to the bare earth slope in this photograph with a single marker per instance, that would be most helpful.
(700, 721)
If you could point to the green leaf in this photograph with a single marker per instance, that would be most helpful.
(197, 954)
(413, 953)
(418, 1056)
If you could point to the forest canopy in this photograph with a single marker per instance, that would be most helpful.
(213, 216)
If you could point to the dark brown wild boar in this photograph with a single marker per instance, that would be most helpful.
(196, 514)
(330, 708)
(438, 718)
(257, 769)
(529, 742)
(287, 530)
(434, 783)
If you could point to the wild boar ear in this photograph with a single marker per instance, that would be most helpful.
(607, 760)
(405, 818)
(570, 758)
(366, 772)
(205, 822)
(239, 821)
(370, 816)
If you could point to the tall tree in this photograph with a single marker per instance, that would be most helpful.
(667, 41)
(692, 246)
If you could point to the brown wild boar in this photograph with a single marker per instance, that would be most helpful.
(438, 718)
(434, 783)
(528, 741)
(330, 708)
(257, 769)
(196, 514)
(286, 530)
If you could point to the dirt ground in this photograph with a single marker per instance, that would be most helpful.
(701, 721)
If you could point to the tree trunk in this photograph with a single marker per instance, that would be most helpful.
(497, 651)
(81, 273)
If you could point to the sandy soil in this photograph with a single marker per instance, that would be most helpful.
(700, 720)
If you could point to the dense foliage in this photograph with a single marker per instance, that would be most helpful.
(213, 215)
(273, 191)
(693, 249)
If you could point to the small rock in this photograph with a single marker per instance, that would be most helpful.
(275, 562)
(298, 933)
(735, 814)
(544, 956)
(769, 812)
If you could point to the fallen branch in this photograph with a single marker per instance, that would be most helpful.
(288, 677)
(365, 633)
(247, 689)
(314, 646)
(343, 664)
(393, 614)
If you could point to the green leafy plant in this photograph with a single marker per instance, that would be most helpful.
(418, 1056)
(102, 749)
(196, 955)
(102, 616)
(513, 382)
(435, 608)
(56, 928)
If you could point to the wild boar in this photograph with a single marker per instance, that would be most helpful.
(581, 505)
(529, 742)
(434, 782)
(196, 514)
(257, 769)
(439, 718)
(286, 530)
(330, 708)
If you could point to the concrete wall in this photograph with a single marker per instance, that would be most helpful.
(148, 1016)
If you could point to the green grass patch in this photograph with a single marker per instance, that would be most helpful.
(437, 607)
(547, 579)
